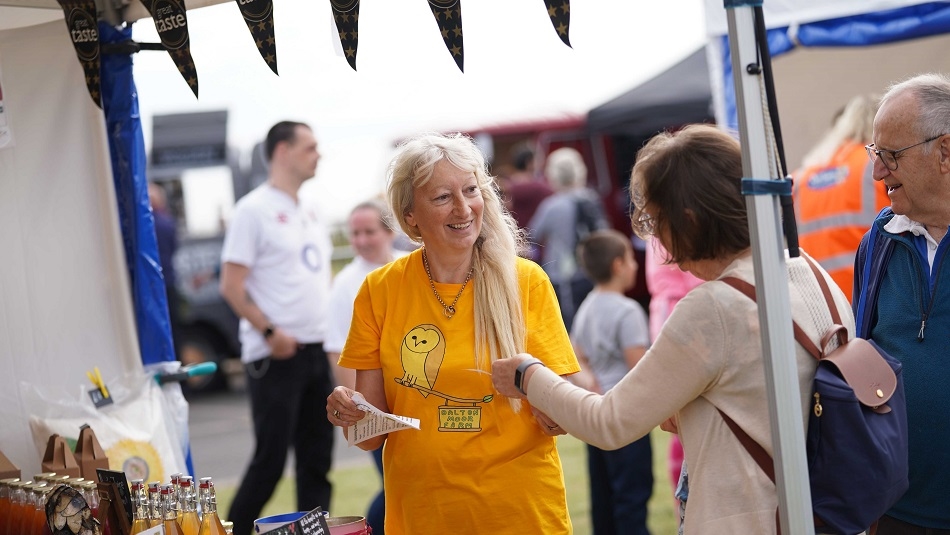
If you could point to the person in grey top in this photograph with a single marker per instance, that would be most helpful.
(561, 221)
(609, 336)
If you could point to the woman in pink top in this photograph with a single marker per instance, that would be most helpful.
(667, 284)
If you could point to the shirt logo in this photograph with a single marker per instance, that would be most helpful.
(829, 177)
(282, 218)
(311, 257)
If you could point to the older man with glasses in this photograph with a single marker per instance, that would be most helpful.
(902, 286)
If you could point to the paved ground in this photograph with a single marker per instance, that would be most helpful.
(222, 440)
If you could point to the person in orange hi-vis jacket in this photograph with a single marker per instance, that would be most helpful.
(836, 199)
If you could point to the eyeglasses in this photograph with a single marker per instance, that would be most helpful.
(889, 157)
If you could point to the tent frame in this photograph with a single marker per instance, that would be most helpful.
(771, 280)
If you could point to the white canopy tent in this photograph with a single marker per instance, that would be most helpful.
(874, 43)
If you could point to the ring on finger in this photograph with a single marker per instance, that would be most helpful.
(336, 414)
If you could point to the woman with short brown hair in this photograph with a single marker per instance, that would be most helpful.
(708, 356)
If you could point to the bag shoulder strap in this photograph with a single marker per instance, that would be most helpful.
(762, 458)
(758, 453)
(800, 335)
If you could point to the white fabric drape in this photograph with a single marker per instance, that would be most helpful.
(65, 305)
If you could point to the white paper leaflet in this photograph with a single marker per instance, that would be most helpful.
(376, 422)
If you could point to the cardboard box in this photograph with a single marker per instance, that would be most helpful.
(59, 458)
(8, 469)
(89, 454)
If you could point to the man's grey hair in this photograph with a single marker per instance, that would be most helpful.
(932, 93)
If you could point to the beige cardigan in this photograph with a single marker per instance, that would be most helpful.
(708, 355)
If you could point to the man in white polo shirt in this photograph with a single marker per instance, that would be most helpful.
(275, 274)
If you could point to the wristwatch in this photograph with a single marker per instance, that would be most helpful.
(519, 373)
(268, 331)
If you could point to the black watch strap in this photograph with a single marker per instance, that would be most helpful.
(520, 371)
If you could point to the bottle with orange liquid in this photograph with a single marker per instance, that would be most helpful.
(169, 510)
(154, 504)
(6, 502)
(188, 506)
(40, 525)
(176, 490)
(140, 520)
(21, 511)
(210, 523)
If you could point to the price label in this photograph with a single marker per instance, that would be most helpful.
(99, 400)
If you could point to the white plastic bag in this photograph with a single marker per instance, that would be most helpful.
(137, 432)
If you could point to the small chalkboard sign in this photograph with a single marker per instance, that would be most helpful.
(99, 399)
(312, 523)
(122, 486)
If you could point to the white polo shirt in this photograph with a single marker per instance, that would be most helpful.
(287, 249)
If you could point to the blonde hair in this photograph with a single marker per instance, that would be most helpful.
(855, 124)
(500, 329)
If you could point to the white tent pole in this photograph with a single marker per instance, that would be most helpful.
(771, 282)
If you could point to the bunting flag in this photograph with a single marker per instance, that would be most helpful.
(259, 16)
(560, 13)
(171, 21)
(81, 20)
(346, 14)
(448, 14)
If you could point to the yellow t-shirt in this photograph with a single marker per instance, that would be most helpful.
(475, 466)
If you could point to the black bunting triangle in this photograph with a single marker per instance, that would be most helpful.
(560, 13)
(448, 14)
(81, 20)
(346, 14)
(259, 16)
(171, 21)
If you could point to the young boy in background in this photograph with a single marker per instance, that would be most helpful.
(610, 335)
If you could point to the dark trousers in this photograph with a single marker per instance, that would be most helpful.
(288, 406)
(570, 294)
(376, 515)
(889, 525)
(621, 483)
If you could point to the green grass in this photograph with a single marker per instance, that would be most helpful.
(355, 487)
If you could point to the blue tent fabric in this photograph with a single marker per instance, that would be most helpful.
(888, 26)
(922, 20)
(127, 151)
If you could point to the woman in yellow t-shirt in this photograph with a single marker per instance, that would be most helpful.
(425, 330)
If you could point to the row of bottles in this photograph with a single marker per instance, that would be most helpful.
(23, 503)
(176, 506)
